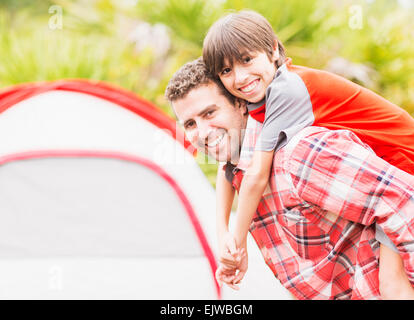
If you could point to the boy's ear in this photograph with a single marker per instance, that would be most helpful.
(275, 51)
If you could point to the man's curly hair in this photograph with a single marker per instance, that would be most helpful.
(191, 76)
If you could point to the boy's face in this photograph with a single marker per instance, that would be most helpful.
(249, 79)
(212, 124)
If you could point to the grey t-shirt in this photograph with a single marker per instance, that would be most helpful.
(288, 110)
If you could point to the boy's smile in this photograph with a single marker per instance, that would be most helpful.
(249, 78)
(248, 88)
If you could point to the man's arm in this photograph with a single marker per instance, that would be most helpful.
(337, 172)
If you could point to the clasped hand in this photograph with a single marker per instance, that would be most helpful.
(233, 262)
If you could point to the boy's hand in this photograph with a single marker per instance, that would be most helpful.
(228, 252)
(233, 276)
(224, 275)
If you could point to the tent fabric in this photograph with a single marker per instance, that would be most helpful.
(126, 99)
(67, 120)
(102, 194)
(101, 135)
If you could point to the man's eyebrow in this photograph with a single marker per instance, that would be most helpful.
(200, 113)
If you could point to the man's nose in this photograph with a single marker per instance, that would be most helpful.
(203, 131)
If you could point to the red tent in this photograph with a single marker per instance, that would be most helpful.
(100, 197)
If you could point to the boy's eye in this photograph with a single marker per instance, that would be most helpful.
(225, 71)
(247, 59)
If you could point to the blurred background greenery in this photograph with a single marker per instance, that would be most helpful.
(139, 44)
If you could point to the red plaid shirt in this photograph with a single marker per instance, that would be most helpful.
(315, 224)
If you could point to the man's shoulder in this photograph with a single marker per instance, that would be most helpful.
(304, 136)
(313, 141)
(323, 135)
(309, 133)
(303, 145)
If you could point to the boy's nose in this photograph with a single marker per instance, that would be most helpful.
(240, 75)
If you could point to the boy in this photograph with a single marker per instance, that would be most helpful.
(244, 52)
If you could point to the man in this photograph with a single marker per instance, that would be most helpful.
(315, 223)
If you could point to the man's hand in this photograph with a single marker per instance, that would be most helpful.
(242, 267)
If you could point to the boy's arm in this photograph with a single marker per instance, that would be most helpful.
(233, 276)
(252, 187)
(224, 202)
(225, 196)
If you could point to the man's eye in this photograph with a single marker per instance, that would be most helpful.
(247, 59)
(209, 113)
(189, 125)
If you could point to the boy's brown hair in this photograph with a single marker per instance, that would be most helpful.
(237, 33)
(191, 76)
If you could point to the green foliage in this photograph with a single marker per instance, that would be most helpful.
(189, 19)
(94, 41)
(31, 51)
(35, 6)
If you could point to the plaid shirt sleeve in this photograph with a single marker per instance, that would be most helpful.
(337, 172)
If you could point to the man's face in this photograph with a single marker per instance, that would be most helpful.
(212, 124)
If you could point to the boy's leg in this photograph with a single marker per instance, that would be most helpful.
(393, 281)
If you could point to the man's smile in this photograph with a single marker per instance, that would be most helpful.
(211, 143)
